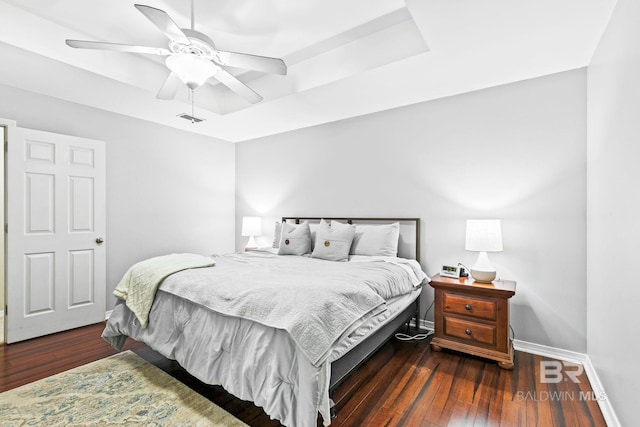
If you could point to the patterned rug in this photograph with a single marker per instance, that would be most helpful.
(120, 390)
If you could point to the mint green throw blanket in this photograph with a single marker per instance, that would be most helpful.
(139, 284)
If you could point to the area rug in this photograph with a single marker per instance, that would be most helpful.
(122, 390)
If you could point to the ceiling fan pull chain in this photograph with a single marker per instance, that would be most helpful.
(192, 109)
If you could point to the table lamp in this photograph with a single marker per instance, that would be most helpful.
(483, 235)
(251, 226)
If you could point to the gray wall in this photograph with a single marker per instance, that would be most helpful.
(167, 190)
(613, 212)
(515, 152)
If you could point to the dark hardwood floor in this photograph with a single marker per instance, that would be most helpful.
(404, 384)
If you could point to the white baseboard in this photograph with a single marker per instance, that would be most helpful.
(574, 357)
(424, 324)
(552, 352)
(568, 356)
(608, 413)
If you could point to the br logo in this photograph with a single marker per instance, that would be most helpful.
(554, 371)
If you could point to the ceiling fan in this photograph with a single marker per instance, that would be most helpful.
(192, 57)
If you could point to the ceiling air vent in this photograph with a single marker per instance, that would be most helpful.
(190, 118)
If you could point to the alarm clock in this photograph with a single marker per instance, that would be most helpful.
(452, 271)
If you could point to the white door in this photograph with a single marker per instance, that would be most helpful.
(56, 220)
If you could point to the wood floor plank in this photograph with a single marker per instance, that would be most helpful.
(460, 414)
(497, 396)
(387, 381)
(416, 413)
(512, 414)
(383, 417)
(472, 377)
(448, 391)
(459, 382)
(417, 379)
(404, 384)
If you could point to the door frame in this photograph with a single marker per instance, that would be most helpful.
(4, 124)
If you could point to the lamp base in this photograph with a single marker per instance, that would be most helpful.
(251, 244)
(483, 276)
(483, 271)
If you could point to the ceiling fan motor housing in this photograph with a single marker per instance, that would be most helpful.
(201, 45)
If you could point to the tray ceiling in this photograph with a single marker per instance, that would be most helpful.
(345, 58)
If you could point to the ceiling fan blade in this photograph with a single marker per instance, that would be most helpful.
(170, 87)
(164, 23)
(84, 44)
(237, 86)
(251, 62)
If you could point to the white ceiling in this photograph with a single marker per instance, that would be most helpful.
(345, 57)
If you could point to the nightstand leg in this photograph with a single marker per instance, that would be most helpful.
(435, 347)
(506, 365)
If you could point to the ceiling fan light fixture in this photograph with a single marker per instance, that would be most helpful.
(192, 69)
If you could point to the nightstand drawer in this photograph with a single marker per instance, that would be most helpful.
(483, 308)
(458, 328)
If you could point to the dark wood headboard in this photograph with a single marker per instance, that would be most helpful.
(409, 244)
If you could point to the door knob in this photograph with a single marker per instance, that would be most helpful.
(99, 240)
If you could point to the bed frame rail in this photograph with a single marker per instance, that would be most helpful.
(353, 359)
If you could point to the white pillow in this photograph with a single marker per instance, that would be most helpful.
(296, 239)
(333, 241)
(277, 234)
(313, 228)
(380, 240)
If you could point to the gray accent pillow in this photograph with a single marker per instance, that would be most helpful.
(295, 240)
(333, 241)
(277, 234)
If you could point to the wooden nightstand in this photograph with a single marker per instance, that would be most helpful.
(473, 318)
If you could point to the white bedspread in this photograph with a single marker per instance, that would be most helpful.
(252, 360)
(315, 301)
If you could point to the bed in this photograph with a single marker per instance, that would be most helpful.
(286, 364)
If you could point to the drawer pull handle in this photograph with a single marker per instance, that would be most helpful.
(467, 331)
(468, 307)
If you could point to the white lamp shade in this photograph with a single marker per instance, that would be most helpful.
(251, 226)
(483, 235)
(192, 69)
